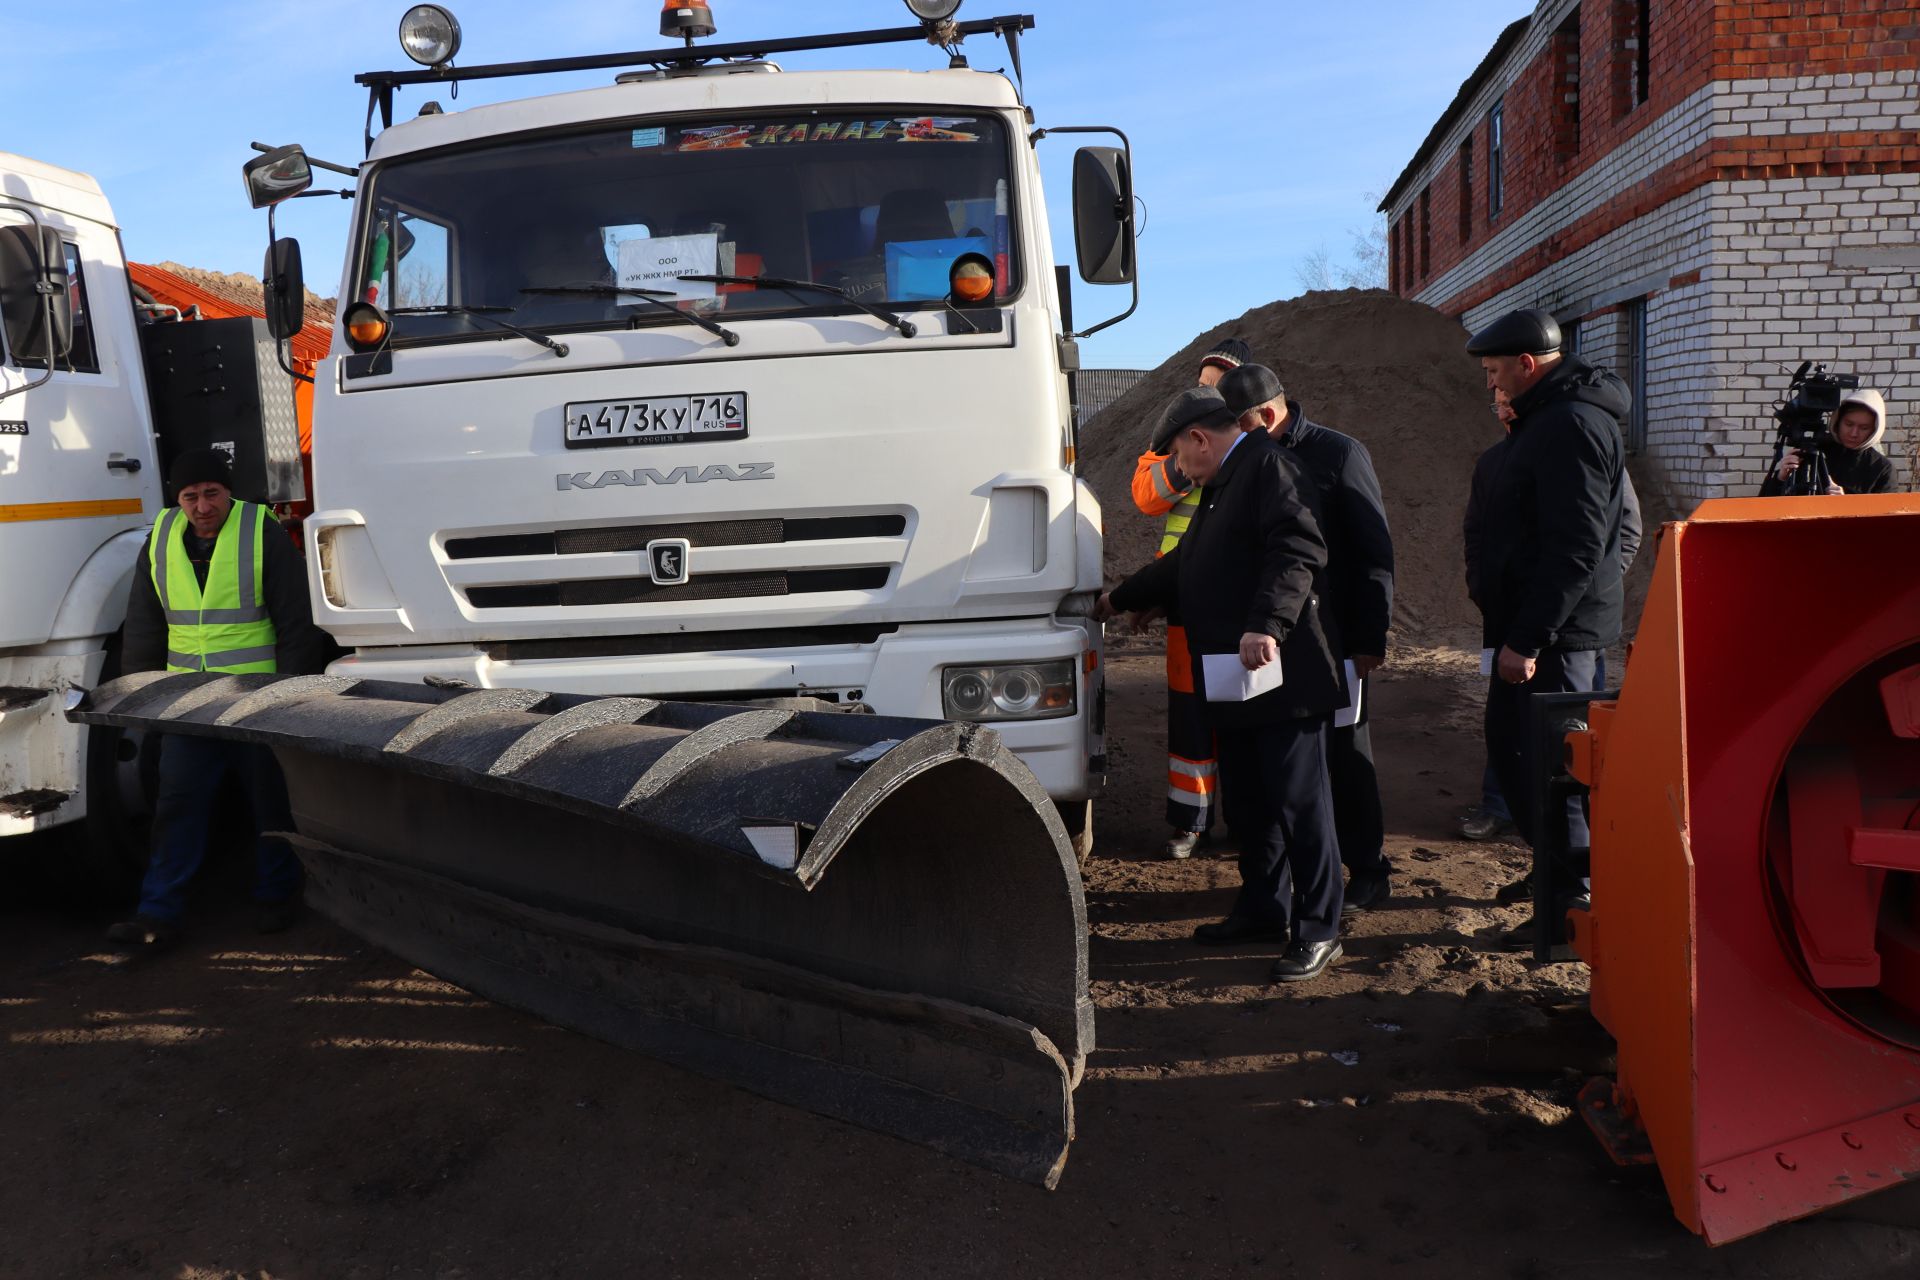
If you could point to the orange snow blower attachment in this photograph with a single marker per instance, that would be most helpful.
(1755, 929)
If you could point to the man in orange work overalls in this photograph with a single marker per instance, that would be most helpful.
(1193, 773)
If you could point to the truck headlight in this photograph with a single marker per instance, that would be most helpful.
(1014, 691)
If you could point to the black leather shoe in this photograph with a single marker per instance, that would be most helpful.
(1238, 929)
(1559, 946)
(276, 917)
(1365, 893)
(1515, 893)
(1304, 961)
(144, 933)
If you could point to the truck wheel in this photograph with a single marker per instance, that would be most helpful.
(1077, 816)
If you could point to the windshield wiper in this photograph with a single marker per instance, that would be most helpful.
(906, 327)
(650, 297)
(482, 313)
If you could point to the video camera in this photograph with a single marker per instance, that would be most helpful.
(1806, 423)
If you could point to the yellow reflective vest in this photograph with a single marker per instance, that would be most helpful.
(1178, 519)
(224, 626)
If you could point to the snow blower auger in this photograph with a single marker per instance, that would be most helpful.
(1755, 928)
(873, 918)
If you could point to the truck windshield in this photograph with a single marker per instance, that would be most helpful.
(546, 233)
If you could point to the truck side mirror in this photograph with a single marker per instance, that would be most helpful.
(1103, 215)
(276, 175)
(35, 290)
(284, 289)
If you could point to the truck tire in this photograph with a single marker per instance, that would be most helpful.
(107, 850)
(1077, 817)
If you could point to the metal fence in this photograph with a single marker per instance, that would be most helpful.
(1095, 389)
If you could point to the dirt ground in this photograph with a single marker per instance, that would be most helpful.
(307, 1106)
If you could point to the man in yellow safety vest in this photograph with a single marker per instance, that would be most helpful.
(218, 587)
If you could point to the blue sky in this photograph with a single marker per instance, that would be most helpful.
(1258, 128)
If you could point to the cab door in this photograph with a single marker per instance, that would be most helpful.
(76, 452)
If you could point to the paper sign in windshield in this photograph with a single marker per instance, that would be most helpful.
(654, 263)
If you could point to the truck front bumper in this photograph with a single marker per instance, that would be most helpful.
(898, 674)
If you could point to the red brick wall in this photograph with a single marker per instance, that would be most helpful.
(1538, 157)
(1753, 41)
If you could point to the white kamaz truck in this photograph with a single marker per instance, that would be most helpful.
(98, 388)
(718, 382)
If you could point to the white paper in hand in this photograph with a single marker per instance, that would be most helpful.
(1349, 715)
(1486, 662)
(1228, 679)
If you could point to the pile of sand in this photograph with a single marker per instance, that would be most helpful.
(1391, 373)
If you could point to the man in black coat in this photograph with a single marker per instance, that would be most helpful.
(1344, 494)
(1549, 578)
(1244, 580)
(1491, 817)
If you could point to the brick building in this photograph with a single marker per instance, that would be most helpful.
(1705, 192)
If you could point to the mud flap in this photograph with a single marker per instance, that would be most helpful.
(877, 919)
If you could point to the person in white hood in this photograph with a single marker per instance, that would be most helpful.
(1855, 461)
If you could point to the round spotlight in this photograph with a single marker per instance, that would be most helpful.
(429, 35)
(933, 10)
(971, 278)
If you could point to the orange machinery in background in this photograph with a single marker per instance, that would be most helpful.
(1755, 929)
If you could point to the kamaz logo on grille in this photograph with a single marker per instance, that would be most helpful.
(648, 475)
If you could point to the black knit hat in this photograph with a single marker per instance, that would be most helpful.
(1194, 407)
(200, 466)
(1228, 354)
(1251, 386)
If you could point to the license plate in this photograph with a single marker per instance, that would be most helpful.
(595, 424)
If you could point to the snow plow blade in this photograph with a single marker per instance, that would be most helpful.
(876, 919)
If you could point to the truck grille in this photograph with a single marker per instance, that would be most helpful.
(698, 533)
(711, 586)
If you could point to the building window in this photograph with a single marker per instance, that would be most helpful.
(1643, 52)
(1496, 159)
(1466, 190)
(1570, 337)
(1426, 232)
(1565, 98)
(1637, 374)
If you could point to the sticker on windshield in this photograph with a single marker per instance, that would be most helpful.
(654, 137)
(739, 137)
(657, 262)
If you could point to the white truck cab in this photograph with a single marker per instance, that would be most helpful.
(719, 382)
(79, 484)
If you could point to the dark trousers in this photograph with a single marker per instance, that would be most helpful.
(191, 772)
(1359, 825)
(1510, 750)
(1490, 798)
(1273, 782)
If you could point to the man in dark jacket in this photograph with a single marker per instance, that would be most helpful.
(1343, 493)
(229, 595)
(1549, 579)
(1492, 817)
(1244, 580)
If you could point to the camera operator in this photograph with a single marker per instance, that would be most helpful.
(1855, 463)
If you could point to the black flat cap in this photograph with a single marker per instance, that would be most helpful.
(1250, 386)
(199, 466)
(1228, 354)
(1194, 407)
(1532, 332)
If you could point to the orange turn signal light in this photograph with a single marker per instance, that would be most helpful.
(971, 278)
(367, 326)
